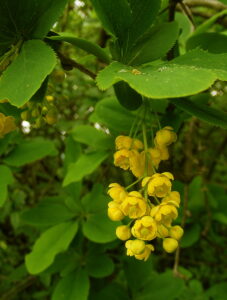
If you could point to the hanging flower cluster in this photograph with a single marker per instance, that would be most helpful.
(153, 208)
(7, 124)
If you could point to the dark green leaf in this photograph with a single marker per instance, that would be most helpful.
(127, 97)
(203, 112)
(191, 235)
(6, 178)
(154, 44)
(26, 19)
(50, 211)
(89, 135)
(212, 41)
(73, 286)
(109, 112)
(83, 44)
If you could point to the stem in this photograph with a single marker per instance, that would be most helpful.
(135, 182)
(183, 221)
(70, 63)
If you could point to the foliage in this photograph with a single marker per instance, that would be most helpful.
(74, 76)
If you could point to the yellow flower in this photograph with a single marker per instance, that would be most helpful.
(172, 198)
(176, 232)
(137, 163)
(135, 247)
(126, 142)
(145, 228)
(123, 232)
(170, 245)
(134, 205)
(146, 253)
(117, 192)
(114, 212)
(165, 136)
(158, 185)
(121, 159)
(162, 231)
(164, 153)
(155, 155)
(164, 213)
(7, 124)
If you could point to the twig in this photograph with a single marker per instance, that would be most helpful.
(207, 3)
(22, 285)
(183, 221)
(69, 64)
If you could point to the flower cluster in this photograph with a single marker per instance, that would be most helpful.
(7, 124)
(148, 220)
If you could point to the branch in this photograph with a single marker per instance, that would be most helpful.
(69, 64)
(214, 4)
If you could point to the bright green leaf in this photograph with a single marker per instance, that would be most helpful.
(51, 242)
(26, 73)
(217, 291)
(162, 81)
(73, 286)
(6, 178)
(30, 151)
(86, 164)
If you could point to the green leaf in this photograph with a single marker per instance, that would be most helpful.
(217, 291)
(6, 178)
(196, 195)
(162, 81)
(30, 151)
(202, 112)
(212, 41)
(154, 44)
(109, 112)
(112, 291)
(84, 45)
(169, 80)
(144, 13)
(73, 286)
(89, 135)
(50, 211)
(191, 235)
(27, 19)
(220, 217)
(26, 73)
(208, 23)
(98, 264)
(127, 97)
(215, 63)
(114, 22)
(51, 242)
(173, 287)
(97, 227)
(86, 164)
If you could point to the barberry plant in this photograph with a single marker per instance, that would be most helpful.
(113, 149)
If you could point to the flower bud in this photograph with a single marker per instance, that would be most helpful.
(123, 232)
(114, 212)
(176, 232)
(170, 245)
